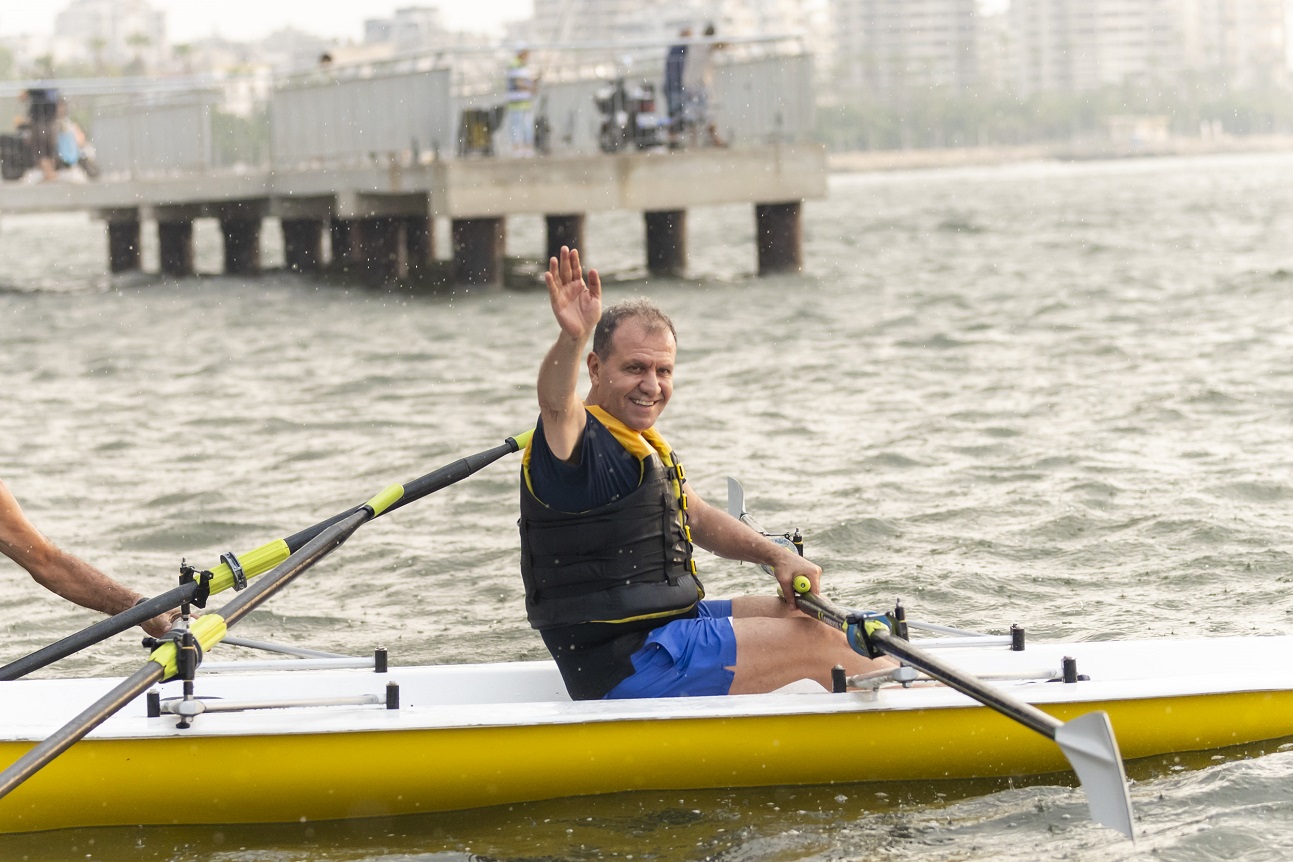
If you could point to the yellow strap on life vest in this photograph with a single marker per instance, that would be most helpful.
(634, 443)
(641, 445)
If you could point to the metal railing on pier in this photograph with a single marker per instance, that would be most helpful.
(418, 108)
(325, 120)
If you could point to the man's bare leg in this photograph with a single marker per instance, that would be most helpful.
(776, 645)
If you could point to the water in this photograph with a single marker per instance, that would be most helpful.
(1058, 395)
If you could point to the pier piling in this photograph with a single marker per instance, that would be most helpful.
(567, 230)
(303, 244)
(175, 241)
(383, 249)
(666, 242)
(343, 235)
(779, 237)
(478, 247)
(124, 240)
(419, 241)
(241, 245)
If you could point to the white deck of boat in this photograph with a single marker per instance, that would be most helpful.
(529, 693)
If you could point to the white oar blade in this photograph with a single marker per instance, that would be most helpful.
(1088, 742)
(735, 498)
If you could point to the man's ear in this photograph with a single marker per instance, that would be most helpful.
(594, 366)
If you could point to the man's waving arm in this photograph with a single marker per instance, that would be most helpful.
(577, 306)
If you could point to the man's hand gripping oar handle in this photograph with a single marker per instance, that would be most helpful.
(251, 563)
(1087, 741)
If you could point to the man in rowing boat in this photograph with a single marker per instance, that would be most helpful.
(55, 569)
(608, 521)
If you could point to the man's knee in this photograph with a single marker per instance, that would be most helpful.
(760, 606)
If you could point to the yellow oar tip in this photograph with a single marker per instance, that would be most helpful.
(801, 584)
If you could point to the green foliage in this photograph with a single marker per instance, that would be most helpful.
(237, 139)
(943, 117)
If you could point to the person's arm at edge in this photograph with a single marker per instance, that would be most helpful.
(577, 306)
(718, 532)
(64, 574)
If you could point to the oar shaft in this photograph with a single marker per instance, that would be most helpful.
(100, 631)
(254, 563)
(155, 670)
(416, 489)
(1024, 713)
(283, 574)
(94, 715)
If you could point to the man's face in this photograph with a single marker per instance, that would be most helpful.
(634, 382)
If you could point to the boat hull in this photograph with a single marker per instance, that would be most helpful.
(467, 737)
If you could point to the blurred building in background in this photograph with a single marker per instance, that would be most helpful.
(885, 49)
(408, 29)
(605, 21)
(1078, 45)
(891, 47)
(108, 34)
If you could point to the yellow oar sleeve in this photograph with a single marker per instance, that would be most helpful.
(208, 630)
(255, 562)
(386, 499)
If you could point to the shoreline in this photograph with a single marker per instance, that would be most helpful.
(869, 161)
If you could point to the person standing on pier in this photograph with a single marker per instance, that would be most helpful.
(61, 573)
(521, 87)
(42, 119)
(675, 64)
(697, 87)
(608, 519)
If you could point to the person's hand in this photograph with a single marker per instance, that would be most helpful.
(162, 623)
(576, 304)
(791, 566)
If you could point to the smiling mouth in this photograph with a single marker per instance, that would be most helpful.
(641, 403)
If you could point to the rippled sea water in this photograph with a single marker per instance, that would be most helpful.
(1058, 395)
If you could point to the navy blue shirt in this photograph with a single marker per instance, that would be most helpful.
(604, 473)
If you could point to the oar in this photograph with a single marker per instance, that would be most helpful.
(208, 630)
(736, 508)
(1087, 741)
(250, 564)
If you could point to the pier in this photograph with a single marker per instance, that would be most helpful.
(361, 163)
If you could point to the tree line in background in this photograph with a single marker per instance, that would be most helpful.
(937, 118)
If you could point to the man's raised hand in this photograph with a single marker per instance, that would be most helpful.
(576, 304)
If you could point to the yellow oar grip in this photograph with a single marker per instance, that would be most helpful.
(801, 584)
(523, 440)
(255, 562)
(208, 630)
(386, 499)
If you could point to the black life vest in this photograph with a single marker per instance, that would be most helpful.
(626, 562)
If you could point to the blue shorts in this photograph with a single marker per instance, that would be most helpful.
(685, 658)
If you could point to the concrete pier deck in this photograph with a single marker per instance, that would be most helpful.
(378, 214)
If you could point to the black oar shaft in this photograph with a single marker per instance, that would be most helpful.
(1024, 713)
(307, 555)
(104, 629)
(967, 684)
(94, 715)
(1087, 741)
(100, 631)
(417, 489)
(108, 705)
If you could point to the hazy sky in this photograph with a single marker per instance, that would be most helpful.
(249, 19)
